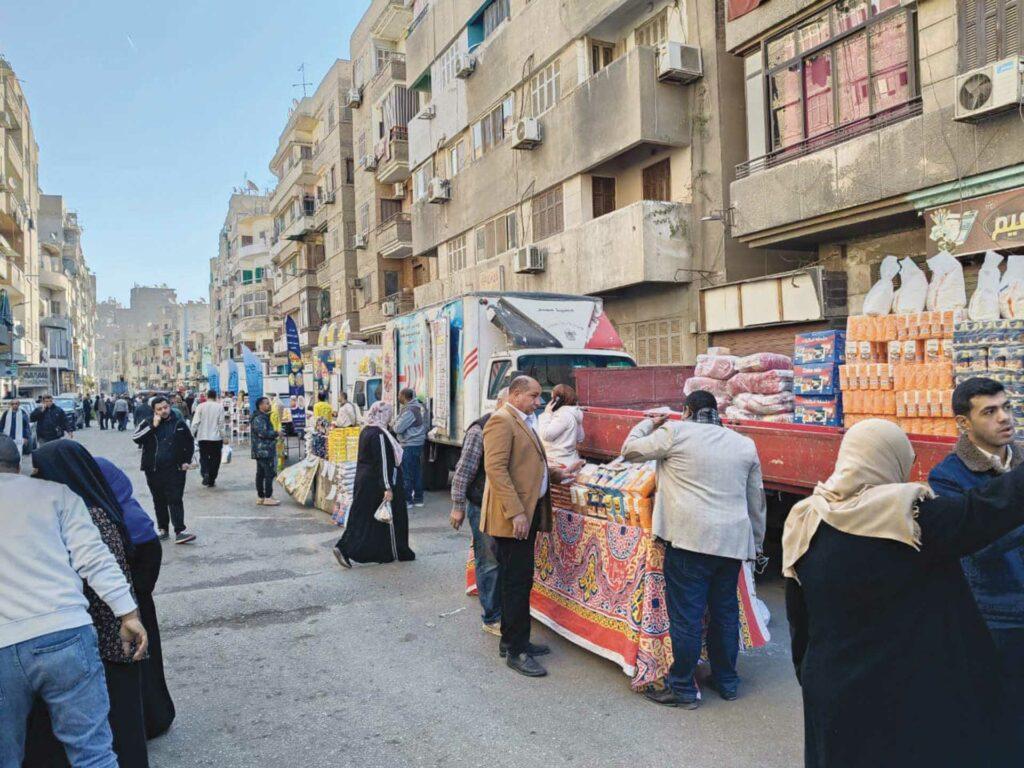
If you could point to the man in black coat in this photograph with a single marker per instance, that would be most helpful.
(167, 448)
(99, 407)
(87, 411)
(51, 421)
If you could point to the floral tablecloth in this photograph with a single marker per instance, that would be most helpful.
(600, 584)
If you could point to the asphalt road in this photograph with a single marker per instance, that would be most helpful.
(276, 657)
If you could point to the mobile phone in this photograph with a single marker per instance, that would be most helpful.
(556, 403)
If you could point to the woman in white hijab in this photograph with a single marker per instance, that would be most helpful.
(896, 664)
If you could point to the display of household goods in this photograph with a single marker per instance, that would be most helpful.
(756, 387)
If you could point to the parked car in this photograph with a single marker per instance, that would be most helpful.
(72, 408)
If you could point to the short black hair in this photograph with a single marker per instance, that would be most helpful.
(978, 386)
(211, 394)
(342, 395)
(700, 399)
(408, 394)
(323, 397)
(157, 400)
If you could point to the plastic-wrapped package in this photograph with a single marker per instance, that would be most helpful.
(734, 413)
(985, 301)
(880, 297)
(717, 387)
(1011, 289)
(764, 383)
(913, 292)
(764, 361)
(946, 290)
(764, 405)
(717, 351)
(716, 366)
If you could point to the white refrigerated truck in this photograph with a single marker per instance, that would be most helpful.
(456, 355)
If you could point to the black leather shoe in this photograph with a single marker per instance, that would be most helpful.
(726, 694)
(533, 649)
(667, 698)
(343, 561)
(524, 664)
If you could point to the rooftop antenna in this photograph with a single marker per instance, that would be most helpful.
(304, 83)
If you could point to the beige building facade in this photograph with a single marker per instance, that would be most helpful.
(575, 157)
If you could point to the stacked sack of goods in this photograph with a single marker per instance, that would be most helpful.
(991, 342)
(621, 492)
(343, 444)
(899, 366)
(817, 357)
(757, 387)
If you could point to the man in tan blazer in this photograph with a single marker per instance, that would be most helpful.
(517, 505)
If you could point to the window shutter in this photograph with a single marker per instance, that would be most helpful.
(990, 32)
(969, 53)
(1010, 28)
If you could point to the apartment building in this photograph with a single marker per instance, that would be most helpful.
(575, 147)
(334, 216)
(383, 107)
(19, 210)
(873, 127)
(241, 307)
(67, 299)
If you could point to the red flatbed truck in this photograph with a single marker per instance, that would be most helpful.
(794, 458)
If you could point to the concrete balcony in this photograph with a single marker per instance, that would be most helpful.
(394, 237)
(618, 115)
(12, 277)
(393, 157)
(11, 218)
(392, 21)
(252, 251)
(643, 243)
(55, 281)
(15, 164)
(299, 174)
(391, 73)
(320, 218)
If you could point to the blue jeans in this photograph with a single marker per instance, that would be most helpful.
(694, 583)
(488, 575)
(412, 470)
(63, 668)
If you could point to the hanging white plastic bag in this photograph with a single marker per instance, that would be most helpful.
(946, 290)
(913, 292)
(879, 298)
(226, 454)
(985, 301)
(1011, 289)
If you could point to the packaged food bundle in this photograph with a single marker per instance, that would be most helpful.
(816, 379)
(1011, 289)
(1006, 358)
(717, 387)
(734, 413)
(913, 293)
(764, 383)
(985, 300)
(819, 347)
(868, 328)
(719, 367)
(947, 289)
(764, 405)
(870, 401)
(717, 351)
(764, 361)
(879, 299)
(820, 411)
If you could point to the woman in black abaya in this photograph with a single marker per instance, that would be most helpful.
(378, 473)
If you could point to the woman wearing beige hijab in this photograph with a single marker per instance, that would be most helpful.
(896, 665)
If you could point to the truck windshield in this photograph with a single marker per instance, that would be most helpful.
(554, 369)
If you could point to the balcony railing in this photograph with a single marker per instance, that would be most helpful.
(392, 153)
(14, 159)
(392, 70)
(392, 21)
(830, 139)
(394, 237)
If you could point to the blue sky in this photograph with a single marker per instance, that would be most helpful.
(148, 113)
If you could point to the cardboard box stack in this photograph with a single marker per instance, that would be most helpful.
(993, 349)
(900, 368)
(816, 360)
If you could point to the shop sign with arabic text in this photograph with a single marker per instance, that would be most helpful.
(991, 223)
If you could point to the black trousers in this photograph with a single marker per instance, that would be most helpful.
(265, 477)
(515, 560)
(124, 686)
(103, 420)
(168, 489)
(122, 421)
(88, 419)
(157, 705)
(209, 459)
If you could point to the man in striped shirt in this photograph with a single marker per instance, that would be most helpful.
(467, 497)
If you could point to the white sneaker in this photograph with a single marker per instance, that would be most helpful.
(492, 629)
(418, 504)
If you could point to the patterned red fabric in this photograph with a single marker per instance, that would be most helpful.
(739, 8)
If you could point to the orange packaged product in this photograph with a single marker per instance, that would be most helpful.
(910, 354)
(885, 376)
(947, 350)
(898, 377)
(932, 350)
(948, 323)
(890, 328)
(890, 402)
(894, 352)
(852, 348)
(947, 403)
(844, 381)
(919, 377)
(872, 376)
(901, 405)
(901, 327)
(852, 329)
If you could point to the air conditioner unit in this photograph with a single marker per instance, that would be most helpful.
(389, 309)
(355, 98)
(368, 162)
(529, 134)
(529, 260)
(678, 63)
(329, 198)
(359, 242)
(439, 191)
(399, 189)
(986, 90)
(465, 64)
(429, 112)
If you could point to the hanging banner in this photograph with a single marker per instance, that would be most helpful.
(253, 375)
(232, 376)
(296, 387)
(207, 360)
(213, 378)
(440, 367)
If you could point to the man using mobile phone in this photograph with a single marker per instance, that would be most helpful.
(167, 448)
(51, 421)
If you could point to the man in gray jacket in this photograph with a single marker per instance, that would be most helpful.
(710, 511)
(48, 647)
(411, 429)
